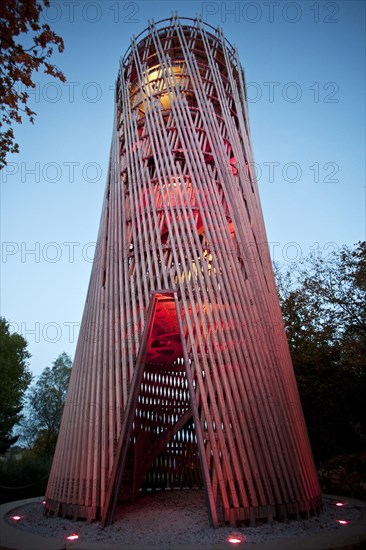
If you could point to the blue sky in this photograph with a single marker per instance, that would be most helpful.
(305, 67)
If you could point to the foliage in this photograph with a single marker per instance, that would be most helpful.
(323, 302)
(344, 475)
(18, 61)
(15, 378)
(25, 477)
(46, 399)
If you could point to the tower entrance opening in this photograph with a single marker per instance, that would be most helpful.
(159, 447)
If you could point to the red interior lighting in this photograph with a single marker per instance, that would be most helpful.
(72, 537)
(16, 518)
(342, 521)
(234, 540)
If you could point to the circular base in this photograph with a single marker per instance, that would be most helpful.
(178, 519)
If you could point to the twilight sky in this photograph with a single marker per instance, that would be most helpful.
(305, 71)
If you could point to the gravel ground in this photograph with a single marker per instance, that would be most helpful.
(174, 518)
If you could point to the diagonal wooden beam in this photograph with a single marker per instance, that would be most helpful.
(157, 447)
(123, 441)
(211, 506)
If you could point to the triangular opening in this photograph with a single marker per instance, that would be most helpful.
(159, 445)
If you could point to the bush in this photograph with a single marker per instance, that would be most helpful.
(25, 477)
(344, 475)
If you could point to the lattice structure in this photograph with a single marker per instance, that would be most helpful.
(182, 375)
(166, 395)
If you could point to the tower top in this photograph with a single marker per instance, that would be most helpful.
(163, 26)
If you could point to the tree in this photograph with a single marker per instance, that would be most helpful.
(15, 377)
(323, 301)
(46, 399)
(18, 60)
(339, 285)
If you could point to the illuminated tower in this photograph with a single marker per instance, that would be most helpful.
(182, 375)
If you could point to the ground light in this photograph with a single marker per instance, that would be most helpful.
(342, 521)
(234, 540)
(16, 518)
(340, 504)
(72, 537)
